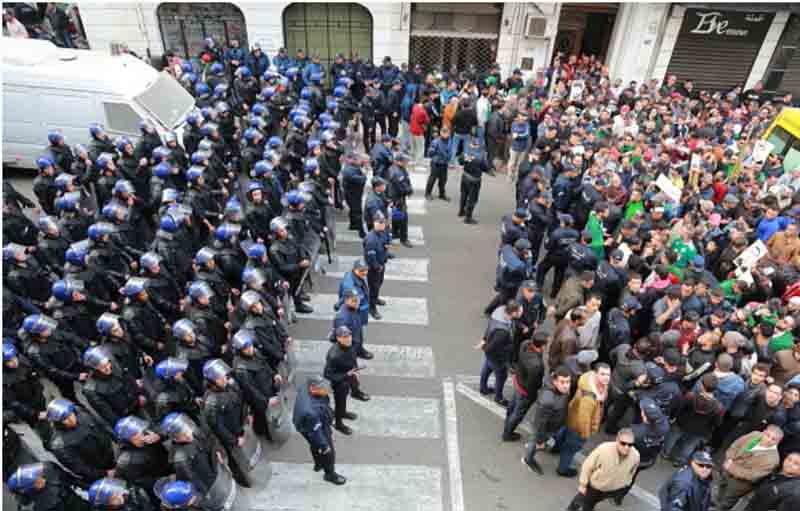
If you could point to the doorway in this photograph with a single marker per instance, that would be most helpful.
(586, 29)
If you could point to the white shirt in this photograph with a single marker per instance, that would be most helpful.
(16, 29)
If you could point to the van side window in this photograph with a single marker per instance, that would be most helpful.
(120, 117)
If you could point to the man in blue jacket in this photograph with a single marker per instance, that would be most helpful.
(513, 268)
(313, 419)
(257, 60)
(356, 279)
(689, 489)
(350, 316)
(439, 153)
(381, 157)
(282, 61)
(376, 254)
(353, 182)
(234, 56)
(312, 68)
(388, 73)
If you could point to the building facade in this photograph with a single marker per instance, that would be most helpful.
(717, 45)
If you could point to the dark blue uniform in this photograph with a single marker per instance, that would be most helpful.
(376, 202)
(376, 255)
(353, 181)
(439, 153)
(380, 160)
(350, 318)
(685, 492)
(349, 281)
(558, 254)
(400, 189)
(313, 418)
(510, 232)
(511, 272)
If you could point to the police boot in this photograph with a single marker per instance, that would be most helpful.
(373, 311)
(335, 478)
(460, 212)
(444, 197)
(302, 308)
(380, 301)
(350, 416)
(469, 220)
(342, 428)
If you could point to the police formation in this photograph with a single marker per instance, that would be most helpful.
(159, 278)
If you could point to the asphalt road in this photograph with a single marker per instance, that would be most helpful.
(426, 441)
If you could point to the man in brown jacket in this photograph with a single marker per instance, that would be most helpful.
(787, 365)
(784, 246)
(565, 338)
(749, 459)
(574, 292)
(585, 412)
(607, 472)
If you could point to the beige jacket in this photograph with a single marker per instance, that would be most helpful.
(753, 465)
(605, 470)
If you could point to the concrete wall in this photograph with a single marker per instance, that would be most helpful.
(767, 48)
(136, 24)
(634, 40)
(669, 38)
(513, 46)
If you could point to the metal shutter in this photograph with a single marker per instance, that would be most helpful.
(712, 65)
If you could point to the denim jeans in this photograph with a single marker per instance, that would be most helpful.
(516, 411)
(405, 136)
(679, 445)
(567, 441)
(462, 140)
(500, 374)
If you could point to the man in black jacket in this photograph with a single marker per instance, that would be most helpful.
(258, 381)
(527, 380)
(341, 369)
(780, 491)
(550, 415)
(45, 486)
(142, 458)
(497, 344)
(111, 390)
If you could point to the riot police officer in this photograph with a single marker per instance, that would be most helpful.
(142, 458)
(23, 394)
(111, 391)
(115, 494)
(258, 381)
(290, 260)
(176, 394)
(143, 321)
(353, 181)
(45, 486)
(53, 354)
(79, 441)
(194, 454)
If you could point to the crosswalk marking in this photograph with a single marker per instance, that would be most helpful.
(344, 235)
(296, 487)
(397, 417)
(417, 206)
(407, 311)
(390, 360)
(399, 268)
(418, 181)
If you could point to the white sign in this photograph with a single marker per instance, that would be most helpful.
(576, 92)
(697, 161)
(748, 259)
(668, 187)
(762, 150)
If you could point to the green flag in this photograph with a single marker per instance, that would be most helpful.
(598, 240)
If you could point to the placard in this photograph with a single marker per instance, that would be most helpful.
(669, 188)
(761, 150)
(576, 92)
(752, 254)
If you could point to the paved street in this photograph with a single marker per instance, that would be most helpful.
(427, 440)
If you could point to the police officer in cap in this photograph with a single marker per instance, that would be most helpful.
(79, 441)
(512, 227)
(689, 489)
(376, 202)
(541, 220)
(376, 255)
(558, 253)
(350, 316)
(45, 486)
(115, 494)
(142, 458)
(400, 189)
(313, 418)
(341, 368)
(475, 165)
(513, 268)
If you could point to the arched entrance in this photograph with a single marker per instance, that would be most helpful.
(185, 26)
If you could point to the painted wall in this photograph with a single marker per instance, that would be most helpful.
(634, 41)
(767, 48)
(513, 46)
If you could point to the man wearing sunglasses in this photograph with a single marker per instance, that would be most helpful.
(607, 472)
(689, 488)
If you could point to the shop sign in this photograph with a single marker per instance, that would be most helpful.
(716, 24)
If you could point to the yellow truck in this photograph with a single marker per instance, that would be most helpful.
(784, 135)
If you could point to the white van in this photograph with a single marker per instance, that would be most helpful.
(46, 87)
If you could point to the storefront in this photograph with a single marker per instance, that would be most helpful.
(716, 49)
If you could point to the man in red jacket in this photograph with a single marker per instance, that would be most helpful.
(419, 120)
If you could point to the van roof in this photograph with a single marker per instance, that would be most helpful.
(37, 62)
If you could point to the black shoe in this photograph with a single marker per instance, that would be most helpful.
(470, 221)
(362, 396)
(502, 402)
(380, 301)
(362, 234)
(305, 297)
(571, 472)
(343, 429)
(428, 196)
(618, 500)
(461, 213)
(302, 308)
(444, 198)
(350, 416)
(487, 391)
(317, 467)
(533, 467)
(512, 437)
(366, 355)
(406, 244)
(335, 479)
(353, 228)
(373, 311)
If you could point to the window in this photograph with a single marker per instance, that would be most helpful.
(783, 73)
(328, 29)
(166, 100)
(184, 26)
(791, 160)
(121, 118)
(780, 139)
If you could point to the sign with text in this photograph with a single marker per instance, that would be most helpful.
(731, 25)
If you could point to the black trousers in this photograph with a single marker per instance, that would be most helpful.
(400, 227)
(394, 124)
(469, 196)
(355, 210)
(375, 281)
(369, 134)
(536, 237)
(438, 174)
(326, 461)
(341, 390)
(592, 498)
(558, 279)
(380, 120)
(619, 407)
(492, 151)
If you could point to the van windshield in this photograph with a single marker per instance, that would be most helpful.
(166, 100)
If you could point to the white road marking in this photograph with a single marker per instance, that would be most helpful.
(418, 181)
(397, 417)
(453, 449)
(390, 360)
(407, 311)
(296, 487)
(344, 235)
(417, 206)
(475, 396)
(400, 268)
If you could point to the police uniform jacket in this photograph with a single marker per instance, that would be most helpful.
(86, 449)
